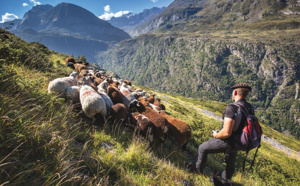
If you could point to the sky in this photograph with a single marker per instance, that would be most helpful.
(104, 9)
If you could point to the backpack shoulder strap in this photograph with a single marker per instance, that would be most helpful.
(252, 110)
(243, 109)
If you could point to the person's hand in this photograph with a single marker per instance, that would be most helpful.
(215, 132)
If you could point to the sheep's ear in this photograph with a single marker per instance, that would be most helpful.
(138, 104)
(70, 64)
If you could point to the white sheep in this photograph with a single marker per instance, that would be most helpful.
(59, 85)
(154, 107)
(102, 91)
(92, 103)
(72, 94)
(141, 92)
(127, 96)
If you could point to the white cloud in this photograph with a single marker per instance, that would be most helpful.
(35, 2)
(154, 1)
(107, 8)
(108, 14)
(25, 4)
(8, 17)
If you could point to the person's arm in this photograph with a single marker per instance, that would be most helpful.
(226, 130)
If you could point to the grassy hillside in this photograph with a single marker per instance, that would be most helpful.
(43, 140)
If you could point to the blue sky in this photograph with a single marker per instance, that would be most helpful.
(105, 9)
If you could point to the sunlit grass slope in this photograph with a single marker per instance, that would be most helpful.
(44, 141)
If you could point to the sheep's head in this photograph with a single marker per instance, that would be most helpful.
(98, 75)
(69, 59)
(85, 80)
(103, 85)
(135, 105)
(74, 74)
(144, 102)
(71, 65)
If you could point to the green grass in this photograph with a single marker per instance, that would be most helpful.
(45, 141)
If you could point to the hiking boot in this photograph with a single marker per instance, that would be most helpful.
(219, 181)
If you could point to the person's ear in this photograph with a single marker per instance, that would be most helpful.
(234, 92)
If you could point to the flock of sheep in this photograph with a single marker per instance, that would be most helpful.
(102, 98)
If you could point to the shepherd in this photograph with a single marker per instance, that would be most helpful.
(223, 141)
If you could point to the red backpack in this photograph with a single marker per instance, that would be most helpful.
(250, 137)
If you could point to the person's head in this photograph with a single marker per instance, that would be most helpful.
(240, 90)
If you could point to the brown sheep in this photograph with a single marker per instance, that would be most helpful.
(158, 104)
(180, 130)
(110, 81)
(160, 123)
(84, 72)
(118, 112)
(143, 123)
(97, 74)
(150, 99)
(115, 84)
(69, 59)
(77, 67)
(98, 81)
(115, 95)
(127, 82)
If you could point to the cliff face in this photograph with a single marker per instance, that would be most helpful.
(206, 68)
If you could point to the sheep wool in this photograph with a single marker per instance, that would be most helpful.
(59, 85)
(160, 123)
(102, 91)
(91, 102)
(118, 112)
(143, 123)
(72, 94)
(180, 130)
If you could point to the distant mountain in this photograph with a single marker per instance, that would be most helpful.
(33, 19)
(70, 29)
(70, 18)
(11, 24)
(129, 21)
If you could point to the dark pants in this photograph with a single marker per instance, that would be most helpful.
(217, 146)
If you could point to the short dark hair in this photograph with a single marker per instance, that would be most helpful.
(243, 92)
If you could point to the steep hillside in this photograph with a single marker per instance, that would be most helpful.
(45, 141)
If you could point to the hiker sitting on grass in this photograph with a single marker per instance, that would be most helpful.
(223, 141)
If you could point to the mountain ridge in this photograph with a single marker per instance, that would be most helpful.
(130, 21)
